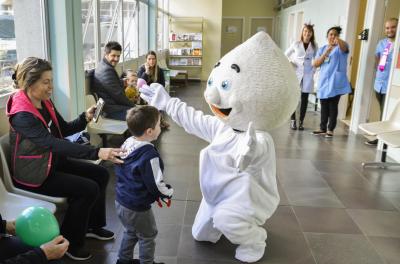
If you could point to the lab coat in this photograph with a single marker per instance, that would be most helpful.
(235, 203)
(303, 60)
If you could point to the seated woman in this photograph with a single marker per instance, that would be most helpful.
(150, 71)
(40, 156)
(14, 251)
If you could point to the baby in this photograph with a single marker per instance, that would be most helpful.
(131, 92)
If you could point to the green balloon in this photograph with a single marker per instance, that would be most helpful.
(36, 226)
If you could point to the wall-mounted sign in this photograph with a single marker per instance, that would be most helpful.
(262, 29)
(231, 29)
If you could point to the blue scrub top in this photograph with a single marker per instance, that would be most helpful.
(333, 74)
(382, 77)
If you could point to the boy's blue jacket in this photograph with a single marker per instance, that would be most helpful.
(140, 178)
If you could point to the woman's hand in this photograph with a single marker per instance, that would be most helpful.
(328, 50)
(147, 67)
(111, 154)
(89, 113)
(56, 248)
(342, 44)
(10, 227)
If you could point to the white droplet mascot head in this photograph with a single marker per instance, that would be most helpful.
(253, 83)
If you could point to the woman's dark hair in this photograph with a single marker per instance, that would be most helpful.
(29, 71)
(112, 45)
(310, 28)
(140, 118)
(338, 29)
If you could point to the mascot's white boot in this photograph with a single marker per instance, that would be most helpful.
(251, 90)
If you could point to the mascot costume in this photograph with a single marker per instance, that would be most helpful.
(251, 90)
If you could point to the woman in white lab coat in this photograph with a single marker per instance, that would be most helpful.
(301, 54)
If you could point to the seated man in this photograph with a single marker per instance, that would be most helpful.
(107, 84)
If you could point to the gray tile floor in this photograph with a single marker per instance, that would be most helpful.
(331, 210)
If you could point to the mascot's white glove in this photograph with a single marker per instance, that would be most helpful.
(155, 94)
(247, 148)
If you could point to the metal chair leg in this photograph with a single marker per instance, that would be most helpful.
(382, 165)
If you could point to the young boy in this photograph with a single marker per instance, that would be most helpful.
(139, 184)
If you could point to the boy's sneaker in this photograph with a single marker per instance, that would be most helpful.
(78, 254)
(318, 132)
(100, 234)
(371, 142)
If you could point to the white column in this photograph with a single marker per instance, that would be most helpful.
(65, 30)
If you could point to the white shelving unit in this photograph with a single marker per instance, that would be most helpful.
(186, 44)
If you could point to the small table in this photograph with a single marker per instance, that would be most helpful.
(176, 73)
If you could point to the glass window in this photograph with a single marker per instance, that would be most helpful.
(131, 19)
(162, 24)
(88, 31)
(110, 22)
(143, 28)
(8, 46)
(124, 21)
(166, 24)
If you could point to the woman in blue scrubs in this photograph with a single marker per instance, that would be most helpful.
(333, 82)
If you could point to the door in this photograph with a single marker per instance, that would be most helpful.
(232, 34)
(354, 60)
(265, 24)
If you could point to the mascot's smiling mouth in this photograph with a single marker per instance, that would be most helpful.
(221, 112)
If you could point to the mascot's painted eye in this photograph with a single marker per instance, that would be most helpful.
(210, 81)
(225, 85)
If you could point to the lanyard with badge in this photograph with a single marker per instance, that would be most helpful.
(383, 59)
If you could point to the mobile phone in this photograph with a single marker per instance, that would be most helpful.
(99, 108)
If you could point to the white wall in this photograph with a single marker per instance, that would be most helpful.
(322, 13)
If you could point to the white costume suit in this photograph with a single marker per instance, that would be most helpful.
(235, 202)
(245, 91)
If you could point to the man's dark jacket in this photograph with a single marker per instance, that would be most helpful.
(107, 85)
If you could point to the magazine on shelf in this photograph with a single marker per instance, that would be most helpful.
(185, 36)
(196, 45)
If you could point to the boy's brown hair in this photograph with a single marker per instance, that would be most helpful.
(140, 118)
